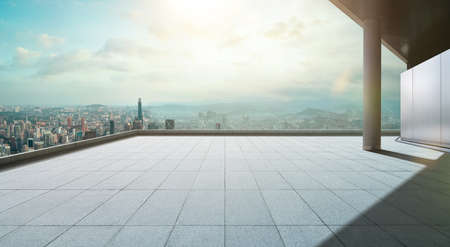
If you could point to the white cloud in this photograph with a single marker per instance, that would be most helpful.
(231, 49)
(48, 41)
(24, 56)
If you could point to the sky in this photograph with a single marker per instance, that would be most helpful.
(65, 52)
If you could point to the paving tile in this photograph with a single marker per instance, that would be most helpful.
(148, 181)
(166, 165)
(197, 236)
(85, 236)
(18, 196)
(23, 213)
(118, 209)
(203, 208)
(270, 181)
(362, 181)
(364, 236)
(246, 208)
(444, 230)
(87, 181)
(287, 208)
(118, 181)
(347, 188)
(209, 181)
(415, 236)
(30, 236)
(308, 236)
(424, 211)
(142, 165)
(376, 210)
(73, 210)
(118, 165)
(213, 165)
(240, 181)
(332, 181)
(302, 180)
(391, 180)
(180, 181)
(161, 208)
(331, 209)
(6, 229)
(189, 165)
(257, 236)
(282, 165)
(259, 165)
(141, 236)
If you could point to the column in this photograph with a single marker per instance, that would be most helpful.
(372, 85)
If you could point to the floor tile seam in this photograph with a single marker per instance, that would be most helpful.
(130, 217)
(183, 204)
(268, 209)
(312, 210)
(420, 221)
(46, 211)
(76, 224)
(379, 226)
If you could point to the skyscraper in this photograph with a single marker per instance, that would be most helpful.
(69, 122)
(170, 124)
(111, 127)
(83, 125)
(140, 117)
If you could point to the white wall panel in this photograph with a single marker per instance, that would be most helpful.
(445, 97)
(427, 100)
(406, 105)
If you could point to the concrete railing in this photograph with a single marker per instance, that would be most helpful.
(312, 132)
(64, 148)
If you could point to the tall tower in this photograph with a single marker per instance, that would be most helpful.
(83, 125)
(111, 127)
(69, 122)
(140, 117)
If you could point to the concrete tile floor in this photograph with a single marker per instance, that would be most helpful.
(230, 191)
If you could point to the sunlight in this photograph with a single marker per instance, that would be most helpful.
(198, 12)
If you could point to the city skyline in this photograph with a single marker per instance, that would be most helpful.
(29, 128)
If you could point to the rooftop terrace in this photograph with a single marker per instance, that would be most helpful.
(229, 191)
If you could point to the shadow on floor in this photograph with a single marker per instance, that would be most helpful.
(416, 213)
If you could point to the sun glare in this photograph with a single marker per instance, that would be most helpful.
(199, 12)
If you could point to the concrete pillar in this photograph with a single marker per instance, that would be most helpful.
(372, 85)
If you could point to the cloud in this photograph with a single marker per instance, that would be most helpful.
(116, 56)
(233, 41)
(290, 30)
(48, 41)
(24, 56)
(270, 49)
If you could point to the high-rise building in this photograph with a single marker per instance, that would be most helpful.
(90, 134)
(140, 117)
(111, 126)
(137, 124)
(30, 142)
(83, 125)
(13, 145)
(170, 124)
(69, 122)
(153, 125)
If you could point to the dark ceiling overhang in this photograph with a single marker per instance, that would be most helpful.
(414, 30)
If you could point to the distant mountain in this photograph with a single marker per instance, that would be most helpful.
(278, 108)
(95, 106)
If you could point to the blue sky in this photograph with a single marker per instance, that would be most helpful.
(177, 51)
